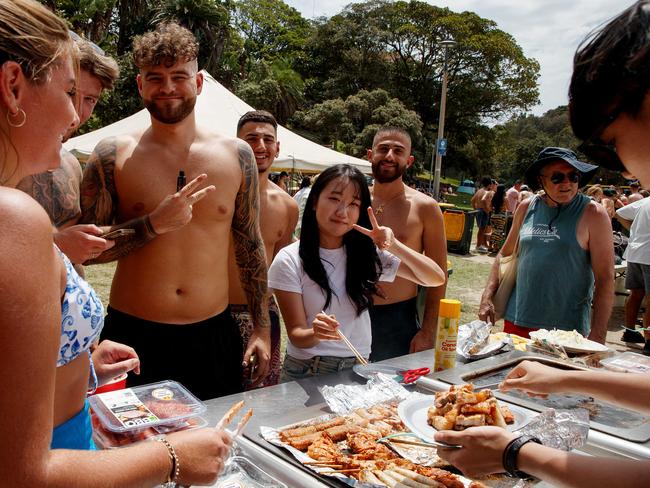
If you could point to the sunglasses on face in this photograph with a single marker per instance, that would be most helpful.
(559, 177)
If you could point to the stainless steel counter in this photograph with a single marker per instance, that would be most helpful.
(287, 403)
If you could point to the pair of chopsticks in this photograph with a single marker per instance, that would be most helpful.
(230, 414)
(441, 445)
(356, 353)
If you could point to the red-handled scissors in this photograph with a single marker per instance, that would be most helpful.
(411, 375)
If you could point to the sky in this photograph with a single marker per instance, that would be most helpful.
(547, 30)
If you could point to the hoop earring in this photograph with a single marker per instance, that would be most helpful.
(21, 123)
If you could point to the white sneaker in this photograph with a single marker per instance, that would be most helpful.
(482, 249)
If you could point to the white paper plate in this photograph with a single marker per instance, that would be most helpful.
(413, 413)
(365, 370)
(585, 346)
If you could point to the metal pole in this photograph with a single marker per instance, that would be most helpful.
(441, 128)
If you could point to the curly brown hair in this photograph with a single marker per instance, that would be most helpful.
(168, 44)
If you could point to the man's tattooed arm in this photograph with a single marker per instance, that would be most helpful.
(99, 200)
(57, 191)
(247, 237)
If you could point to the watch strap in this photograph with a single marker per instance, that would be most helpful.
(511, 452)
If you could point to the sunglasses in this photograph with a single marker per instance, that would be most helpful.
(559, 177)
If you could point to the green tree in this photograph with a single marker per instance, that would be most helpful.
(351, 124)
(271, 29)
(395, 46)
(275, 87)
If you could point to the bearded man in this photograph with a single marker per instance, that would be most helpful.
(169, 296)
(417, 221)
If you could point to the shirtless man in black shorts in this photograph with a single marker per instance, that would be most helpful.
(169, 297)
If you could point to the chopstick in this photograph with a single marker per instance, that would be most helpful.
(356, 353)
(421, 444)
(351, 470)
(359, 357)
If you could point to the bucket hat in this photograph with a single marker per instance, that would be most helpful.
(550, 154)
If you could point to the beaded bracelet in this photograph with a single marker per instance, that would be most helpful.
(174, 473)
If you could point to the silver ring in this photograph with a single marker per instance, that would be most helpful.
(190, 207)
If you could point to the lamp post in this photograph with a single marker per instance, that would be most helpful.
(446, 44)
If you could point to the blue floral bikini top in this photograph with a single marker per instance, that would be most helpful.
(82, 319)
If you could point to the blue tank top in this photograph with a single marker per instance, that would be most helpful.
(555, 281)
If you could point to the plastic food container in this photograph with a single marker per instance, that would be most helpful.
(105, 439)
(133, 410)
(629, 362)
(240, 473)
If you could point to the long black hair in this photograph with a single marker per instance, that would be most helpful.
(362, 267)
(498, 199)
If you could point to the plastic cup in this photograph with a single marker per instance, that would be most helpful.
(118, 383)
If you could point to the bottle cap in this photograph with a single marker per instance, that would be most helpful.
(449, 308)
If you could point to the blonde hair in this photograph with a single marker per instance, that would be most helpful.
(36, 39)
(32, 36)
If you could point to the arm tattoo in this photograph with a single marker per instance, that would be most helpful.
(99, 203)
(249, 247)
(57, 191)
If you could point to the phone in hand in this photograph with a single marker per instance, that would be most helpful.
(114, 234)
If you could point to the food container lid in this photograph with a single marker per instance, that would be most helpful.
(134, 409)
(629, 362)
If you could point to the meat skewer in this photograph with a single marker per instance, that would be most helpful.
(229, 415)
(242, 423)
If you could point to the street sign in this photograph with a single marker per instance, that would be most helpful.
(442, 146)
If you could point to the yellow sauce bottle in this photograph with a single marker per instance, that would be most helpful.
(447, 334)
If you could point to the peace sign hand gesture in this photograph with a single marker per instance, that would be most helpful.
(383, 237)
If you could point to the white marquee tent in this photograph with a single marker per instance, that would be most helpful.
(219, 109)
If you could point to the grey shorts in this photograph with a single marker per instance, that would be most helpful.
(637, 276)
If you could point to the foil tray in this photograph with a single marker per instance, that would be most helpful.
(604, 417)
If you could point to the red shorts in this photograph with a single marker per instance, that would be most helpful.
(511, 328)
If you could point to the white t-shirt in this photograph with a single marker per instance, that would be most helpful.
(638, 246)
(287, 274)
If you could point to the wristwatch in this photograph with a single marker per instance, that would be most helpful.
(511, 452)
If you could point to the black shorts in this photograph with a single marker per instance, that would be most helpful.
(205, 357)
(393, 328)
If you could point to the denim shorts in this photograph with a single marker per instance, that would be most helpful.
(298, 369)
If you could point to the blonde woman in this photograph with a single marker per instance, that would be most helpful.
(37, 92)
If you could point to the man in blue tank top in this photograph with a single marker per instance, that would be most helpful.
(565, 255)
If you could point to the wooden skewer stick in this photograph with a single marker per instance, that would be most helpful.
(350, 470)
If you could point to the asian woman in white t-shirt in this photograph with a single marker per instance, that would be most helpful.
(325, 281)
